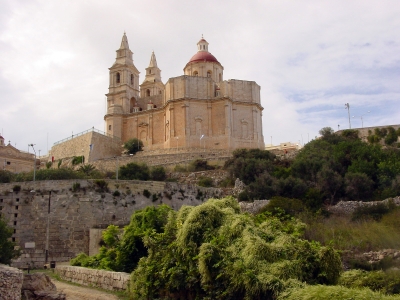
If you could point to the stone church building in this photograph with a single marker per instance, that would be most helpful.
(196, 110)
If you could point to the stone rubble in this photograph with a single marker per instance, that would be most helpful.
(10, 283)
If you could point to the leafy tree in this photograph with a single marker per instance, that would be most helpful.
(133, 171)
(326, 131)
(212, 251)
(330, 182)
(358, 186)
(7, 251)
(133, 145)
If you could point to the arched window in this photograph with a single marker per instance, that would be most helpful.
(195, 73)
(118, 78)
(147, 93)
(131, 79)
(208, 73)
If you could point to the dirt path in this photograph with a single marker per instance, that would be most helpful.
(74, 292)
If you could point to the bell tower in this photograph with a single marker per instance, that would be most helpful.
(152, 84)
(123, 90)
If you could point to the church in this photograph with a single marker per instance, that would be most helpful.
(196, 110)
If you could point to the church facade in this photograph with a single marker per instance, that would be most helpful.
(196, 110)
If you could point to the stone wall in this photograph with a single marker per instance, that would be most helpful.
(112, 281)
(163, 157)
(76, 206)
(348, 207)
(10, 283)
(102, 146)
(253, 207)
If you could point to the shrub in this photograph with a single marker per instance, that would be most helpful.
(288, 206)
(116, 193)
(200, 165)
(49, 164)
(136, 171)
(146, 193)
(5, 176)
(76, 186)
(212, 251)
(205, 182)
(158, 173)
(7, 247)
(380, 281)
(16, 188)
(133, 146)
(375, 211)
(102, 185)
(323, 292)
(76, 160)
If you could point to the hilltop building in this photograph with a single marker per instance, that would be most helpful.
(15, 160)
(196, 110)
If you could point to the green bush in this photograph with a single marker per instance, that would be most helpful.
(322, 292)
(102, 185)
(133, 145)
(5, 176)
(7, 247)
(205, 182)
(158, 173)
(212, 251)
(375, 211)
(133, 171)
(200, 165)
(49, 174)
(16, 188)
(49, 164)
(116, 193)
(380, 281)
(76, 160)
(146, 193)
(289, 206)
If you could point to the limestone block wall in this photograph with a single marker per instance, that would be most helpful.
(112, 281)
(10, 283)
(76, 206)
(102, 146)
(163, 157)
(241, 90)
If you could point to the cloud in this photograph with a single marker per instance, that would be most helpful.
(309, 57)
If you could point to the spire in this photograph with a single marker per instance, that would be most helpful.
(124, 42)
(153, 61)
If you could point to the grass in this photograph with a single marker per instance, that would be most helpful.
(122, 295)
(360, 236)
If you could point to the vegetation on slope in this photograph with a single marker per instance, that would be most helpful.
(325, 170)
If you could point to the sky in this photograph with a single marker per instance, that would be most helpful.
(310, 58)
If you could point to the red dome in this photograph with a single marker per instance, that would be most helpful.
(203, 56)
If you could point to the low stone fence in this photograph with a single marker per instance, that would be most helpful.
(112, 281)
(10, 283)
(348, 207)
(252, 207)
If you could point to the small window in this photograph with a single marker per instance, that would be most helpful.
(159, 92)
(16, 207)
(220, 77)
(195, 73)
(109, 127)
(15, 223)
(17, 199)
(15, 215)
(118, 78)
(131, 79)
(1, 200)
(147, 92)
(15, 230)
(208, 73)
(13, 239)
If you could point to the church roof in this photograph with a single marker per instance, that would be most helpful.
(203, 56)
